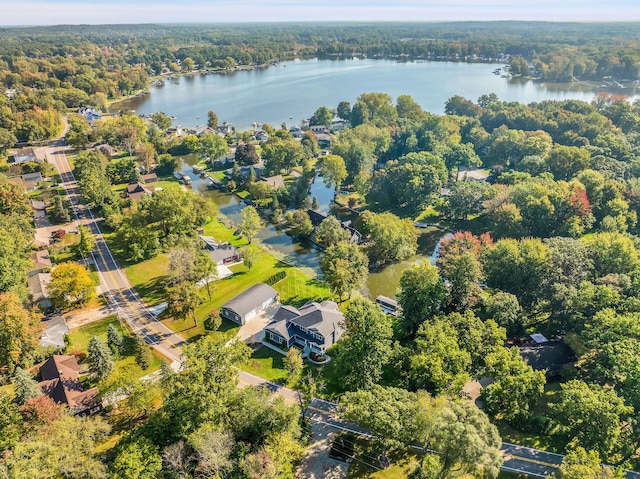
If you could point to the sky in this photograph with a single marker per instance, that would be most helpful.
(54, 12)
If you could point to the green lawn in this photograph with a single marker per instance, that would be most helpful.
(125, 364)
(147, 277)
(296, 289)
(267, 364)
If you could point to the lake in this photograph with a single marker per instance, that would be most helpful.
(293, 90)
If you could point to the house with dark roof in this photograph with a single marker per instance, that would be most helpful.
(549, 356)
(61, 382)
(250, 303)
(136, 191)
(313, 328)
(318, 217)
(220, 253)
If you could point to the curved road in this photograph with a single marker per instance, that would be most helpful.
(126, 303)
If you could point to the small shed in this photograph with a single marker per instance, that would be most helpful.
(249, 303)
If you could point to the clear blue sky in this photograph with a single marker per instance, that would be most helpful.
(49, 12)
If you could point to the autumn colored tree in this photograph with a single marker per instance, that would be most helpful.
(20, 331)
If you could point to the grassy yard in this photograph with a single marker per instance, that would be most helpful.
(267, 364)
(296, 289)
(126, 365)
(147, 277)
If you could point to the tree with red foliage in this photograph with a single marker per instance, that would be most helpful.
(41, 411)
(579, 202)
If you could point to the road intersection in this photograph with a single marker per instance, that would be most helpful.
(124, 301)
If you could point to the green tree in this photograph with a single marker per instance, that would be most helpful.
(249, 257)
(99, 358)
(567, 161)
(60, 211)
(86, 242)
(293, 362)
(251, 222)
(439, 364)
(365, 347)
(592, 415)
(345, 267)
(212, 146)
(344, 110)
(390, 238)
(64, 448)
(24, 386)
(505, 310)
(420, 296)
(137, 459)
(20, 332)
(182, 301)
(299, 223)
(322, 116)
(114, 339)
(212, 119)
(581, 464)
(142, 352)
(331, 232)
(333, 171)
(10, 423)
(202, 392)
(70, 284)
(516, 386)
(161, 120)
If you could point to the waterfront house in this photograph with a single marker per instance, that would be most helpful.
(221, 254)
(91, 114)
(149, 178)
(249, 304)
(61, 382)
(225, 128)
(136, 191)
(25, 155)
(276, 181)
(261, 136)
(313, 328)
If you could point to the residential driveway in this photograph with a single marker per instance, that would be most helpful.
(88, 315)
(55, 329)
(316, 463)
(251, 331)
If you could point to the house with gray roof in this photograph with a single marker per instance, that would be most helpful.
(249, 304)
(313, 328)
(25, 155)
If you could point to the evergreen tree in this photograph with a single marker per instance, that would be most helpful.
(25, 386)
(114, 339)
(314, 203)
(142, 353)
(99, 358)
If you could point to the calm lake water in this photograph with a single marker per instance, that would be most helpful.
(292, 91)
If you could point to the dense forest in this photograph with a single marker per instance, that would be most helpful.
(48, 69)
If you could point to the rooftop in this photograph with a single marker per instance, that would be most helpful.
(250, 299)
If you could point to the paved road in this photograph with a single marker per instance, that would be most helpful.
(126, 302)
(121, 297)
